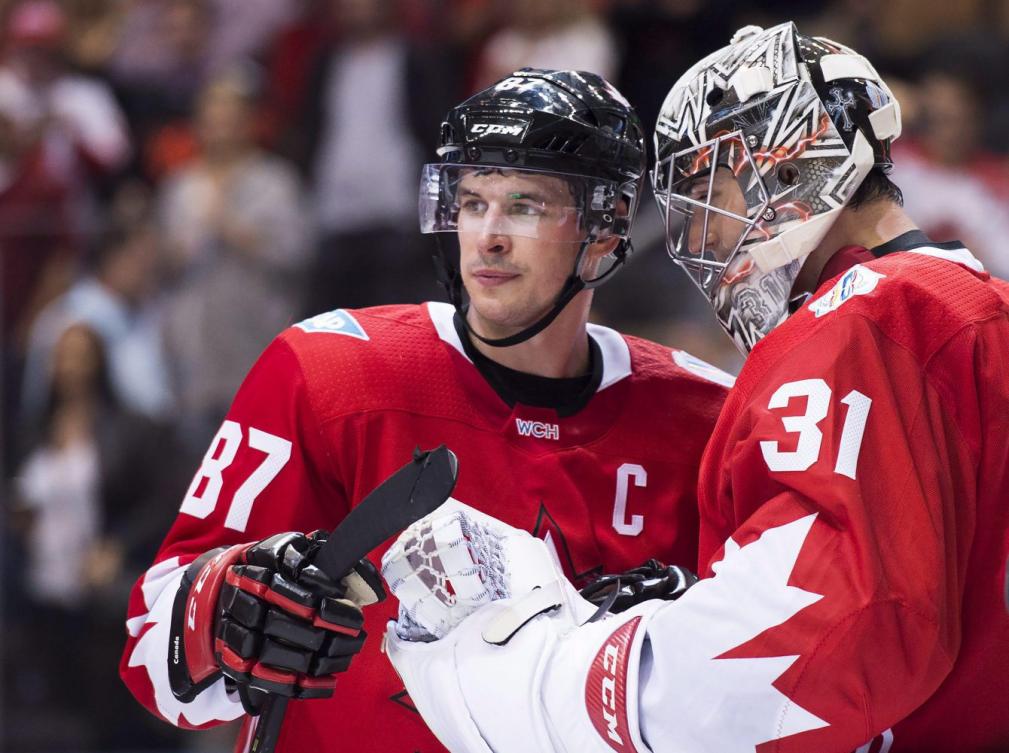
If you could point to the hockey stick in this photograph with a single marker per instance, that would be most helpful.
(404, 498)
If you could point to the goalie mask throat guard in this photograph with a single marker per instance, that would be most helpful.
(569, 126)
(797, 123)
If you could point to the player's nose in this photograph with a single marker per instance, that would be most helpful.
(491, 239)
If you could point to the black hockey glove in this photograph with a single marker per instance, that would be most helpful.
(652, 580)
(268, 619)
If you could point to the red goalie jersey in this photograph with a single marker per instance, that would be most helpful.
(861, 467)
(338, 402)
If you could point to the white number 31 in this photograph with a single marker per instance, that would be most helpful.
(201, 499)
(807, 448)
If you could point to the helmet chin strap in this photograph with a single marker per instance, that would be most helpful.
(451, 278)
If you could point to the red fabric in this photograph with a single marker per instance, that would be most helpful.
(844, 259)
(201, 611)
(909, 546)
(355, 409)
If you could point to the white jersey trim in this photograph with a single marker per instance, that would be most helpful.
(703, 369)
(614, 349)
(151, 653)
(956, 255)
(616, 354)
(441, 317)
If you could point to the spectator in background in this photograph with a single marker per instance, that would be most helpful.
(93, 497)
(949, 178)
(119, 301)
(558, 34)
(38, 235)
(93, 28)
(371, 94)
(63, 134)
(237, 237)
(79, 111)
(159, 63)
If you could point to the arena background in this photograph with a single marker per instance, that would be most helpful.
(180, 179)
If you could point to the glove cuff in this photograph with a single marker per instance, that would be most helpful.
(601, 701)
(192, 665)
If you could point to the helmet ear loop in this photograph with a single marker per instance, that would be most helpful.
(618, 225)
(448, 274)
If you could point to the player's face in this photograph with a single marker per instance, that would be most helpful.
(519, 236)
(722, 233)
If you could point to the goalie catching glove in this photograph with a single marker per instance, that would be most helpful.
(268, 619)
(480, 599)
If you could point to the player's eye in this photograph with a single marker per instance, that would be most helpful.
(473, 206)
(527, 209)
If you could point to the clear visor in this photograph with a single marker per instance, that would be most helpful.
(487, 200)
(712, 199)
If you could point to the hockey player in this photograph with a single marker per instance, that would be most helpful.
(854, 525)
(584, 437)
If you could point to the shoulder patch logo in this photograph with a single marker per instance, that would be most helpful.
(703, 369)
(858, 280)
(338, 322)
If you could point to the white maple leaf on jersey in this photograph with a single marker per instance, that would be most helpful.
(159, 587)
(729, 704)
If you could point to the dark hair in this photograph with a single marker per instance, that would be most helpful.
(877, 185)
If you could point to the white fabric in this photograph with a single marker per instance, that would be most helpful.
(61, 487)
(532, 706)
(88, 109)
(160, 585)
(683, 693)
(367, 161)
(442, 318)
(956, 255)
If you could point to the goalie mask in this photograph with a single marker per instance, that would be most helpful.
(759, 147)
(540, 154)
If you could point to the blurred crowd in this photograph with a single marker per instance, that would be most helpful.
(181, 179)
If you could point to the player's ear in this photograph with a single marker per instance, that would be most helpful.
(606, 241)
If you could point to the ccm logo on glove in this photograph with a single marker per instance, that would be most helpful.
(606, 688)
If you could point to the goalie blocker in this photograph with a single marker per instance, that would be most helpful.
(263, 615)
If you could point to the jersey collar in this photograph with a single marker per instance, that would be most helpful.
(913, 241)
(613, 348)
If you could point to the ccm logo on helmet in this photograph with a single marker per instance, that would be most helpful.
(606, 689)
(489, 129)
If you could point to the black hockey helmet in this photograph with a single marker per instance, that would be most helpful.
(571, 124)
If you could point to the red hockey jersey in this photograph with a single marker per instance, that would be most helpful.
(338, 402)
(861, 468)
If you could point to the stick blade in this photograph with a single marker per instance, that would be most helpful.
(416, 489)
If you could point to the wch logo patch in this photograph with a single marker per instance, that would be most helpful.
(338, 322)
(537, 429)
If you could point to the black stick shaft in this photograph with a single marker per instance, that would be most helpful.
(402, 499)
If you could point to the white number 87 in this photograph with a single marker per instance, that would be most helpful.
(807, 449)
(201, 499)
